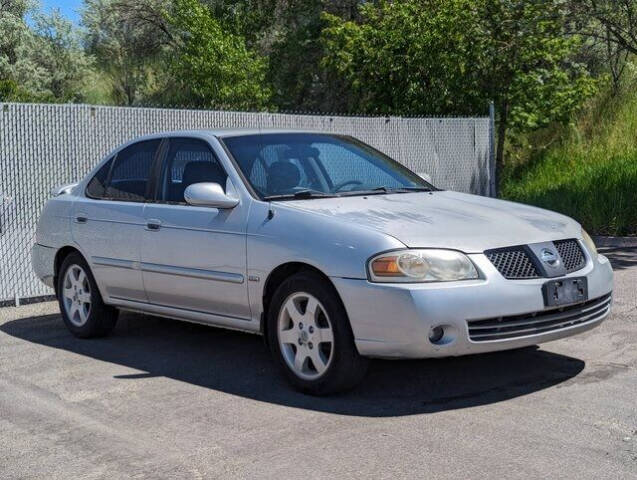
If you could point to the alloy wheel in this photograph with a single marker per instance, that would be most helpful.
(76, 295)
(305, 336)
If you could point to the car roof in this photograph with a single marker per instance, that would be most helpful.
(227, 132)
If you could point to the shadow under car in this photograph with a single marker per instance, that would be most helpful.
(240, 364)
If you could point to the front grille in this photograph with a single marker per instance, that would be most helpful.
(516, 263)
(544, 321)
(513, 263)
(571, 253)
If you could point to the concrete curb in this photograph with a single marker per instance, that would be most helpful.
(26, 301)
(615, 242)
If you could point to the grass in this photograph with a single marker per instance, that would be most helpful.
(588, 170)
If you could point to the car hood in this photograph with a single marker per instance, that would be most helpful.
(446, 219)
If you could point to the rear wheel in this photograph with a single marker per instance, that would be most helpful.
(81, 304)
(310, 336)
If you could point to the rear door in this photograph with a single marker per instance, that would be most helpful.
(109, 220)
(194, 258)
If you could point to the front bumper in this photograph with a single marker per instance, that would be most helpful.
(394, 320)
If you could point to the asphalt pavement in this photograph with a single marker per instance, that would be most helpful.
(165, 399)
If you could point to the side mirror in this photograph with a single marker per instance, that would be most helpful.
(62, 189)
(425, 176)
(209, 195)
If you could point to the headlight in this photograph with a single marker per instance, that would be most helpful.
(590, 245)
(421, 266)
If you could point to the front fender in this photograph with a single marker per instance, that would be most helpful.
(279, 234)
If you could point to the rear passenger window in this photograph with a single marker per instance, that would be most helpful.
(189, 161)
(96, 188)
(131, 172)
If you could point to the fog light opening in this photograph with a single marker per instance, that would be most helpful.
(436, 334)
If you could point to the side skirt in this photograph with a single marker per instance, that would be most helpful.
(193, 316)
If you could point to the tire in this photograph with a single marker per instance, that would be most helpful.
(310, 336)
(81, 304)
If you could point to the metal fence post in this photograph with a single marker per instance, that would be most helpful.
(492, 167)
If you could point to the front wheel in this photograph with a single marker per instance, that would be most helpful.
(83, 310)
(310, 336)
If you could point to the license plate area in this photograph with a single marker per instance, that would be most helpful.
(565, 291)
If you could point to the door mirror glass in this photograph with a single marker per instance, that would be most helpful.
(208, 194)
(425, 176)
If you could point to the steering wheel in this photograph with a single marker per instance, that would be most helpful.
(338, 187)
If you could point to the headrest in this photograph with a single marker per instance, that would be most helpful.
(300, 151)
(282, 177)
(203, 171)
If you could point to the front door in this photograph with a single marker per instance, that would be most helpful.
(194, 258)
(107, 222)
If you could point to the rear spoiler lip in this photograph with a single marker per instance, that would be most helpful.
(63, 189)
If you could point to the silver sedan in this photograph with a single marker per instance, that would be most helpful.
(330, 249)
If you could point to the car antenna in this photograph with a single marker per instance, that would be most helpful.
(270, 212)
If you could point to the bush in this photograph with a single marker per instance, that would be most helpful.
(11, 92)
(601, 195)
(589, 173)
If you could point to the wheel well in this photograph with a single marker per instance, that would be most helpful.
(277, 277)
(61, 254)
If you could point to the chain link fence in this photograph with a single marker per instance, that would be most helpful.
(42, 146)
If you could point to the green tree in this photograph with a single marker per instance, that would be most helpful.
(453, 56)
(13, 28)
(130, 41)
(42, 63)
(10, 91)
(55, 47)
(295, 50)
(213, 66)
(288, 33)
(610, 27)
(14, 48)
(618, 19)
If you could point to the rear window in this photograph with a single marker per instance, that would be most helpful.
(97, 186)
(131, 172)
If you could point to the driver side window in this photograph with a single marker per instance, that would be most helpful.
(189, 160)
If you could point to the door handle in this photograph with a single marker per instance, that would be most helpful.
(153, 225)
(81, 219)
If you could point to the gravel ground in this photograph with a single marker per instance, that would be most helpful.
(164, 399)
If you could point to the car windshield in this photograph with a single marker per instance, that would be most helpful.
(307, 165)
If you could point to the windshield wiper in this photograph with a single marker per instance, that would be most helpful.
(308, 193)
(411, 189)
(370, 191)
(383, 189)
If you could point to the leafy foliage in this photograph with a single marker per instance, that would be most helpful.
(453, 56)
(405, 57)
(587, 170)
(130, 42)
(215, 67)
(608, 20)
(15, 33)
(56, 50)
(42, 63)
(11, 92)
(14, 30)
